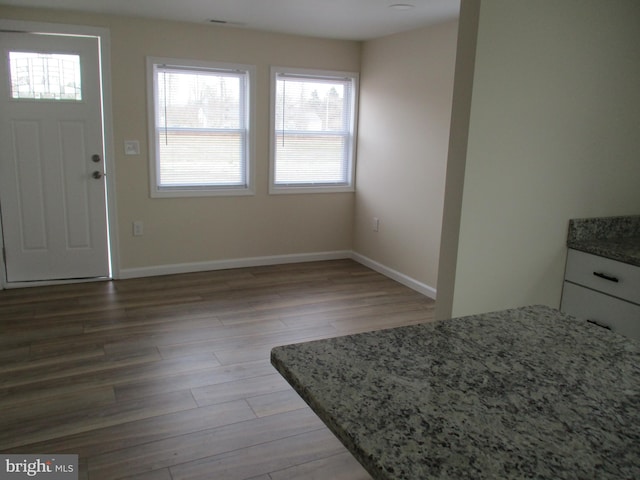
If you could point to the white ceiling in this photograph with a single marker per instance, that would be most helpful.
(342, 19)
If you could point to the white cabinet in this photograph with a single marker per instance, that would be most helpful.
(604, 291)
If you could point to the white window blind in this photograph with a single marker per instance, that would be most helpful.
(313, 128)
(201, 119)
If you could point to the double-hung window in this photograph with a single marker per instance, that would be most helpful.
(200, 120)
(313, 123)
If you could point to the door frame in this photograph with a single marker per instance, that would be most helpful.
(103, 35)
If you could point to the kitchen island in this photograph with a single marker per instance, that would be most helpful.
(521, 393)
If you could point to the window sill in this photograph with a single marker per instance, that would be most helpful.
(179, 192)
(291, 189)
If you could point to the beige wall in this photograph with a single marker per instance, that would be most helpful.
(552, 135)
(405, 109)
(197, 230)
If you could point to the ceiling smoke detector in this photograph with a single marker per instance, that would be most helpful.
(401, 6)
(219, 21)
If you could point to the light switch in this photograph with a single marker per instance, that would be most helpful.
(138, 228)
(132, 147)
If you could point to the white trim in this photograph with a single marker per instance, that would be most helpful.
(109, 152)
(44, 27)
(232, 263)
(157, 191)
(104, 36)
(49, 283)
(314, 74)
(412, 283)
(279, 260)
(3, 270)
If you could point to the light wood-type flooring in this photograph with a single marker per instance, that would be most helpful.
(169, 377)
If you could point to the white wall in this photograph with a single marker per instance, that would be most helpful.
(553, 134)
(191, 232)
(405, 111)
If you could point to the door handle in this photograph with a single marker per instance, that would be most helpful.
(97, 175)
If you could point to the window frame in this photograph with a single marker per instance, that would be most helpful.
(320, 187)
(158, 191)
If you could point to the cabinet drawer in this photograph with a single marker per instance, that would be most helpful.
(622, 317)
(603, 274)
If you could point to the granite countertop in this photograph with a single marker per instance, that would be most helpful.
(521, 393)
(626, 250)
(617, 238)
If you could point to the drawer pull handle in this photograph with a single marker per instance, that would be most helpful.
(599, 324)
(606, 277)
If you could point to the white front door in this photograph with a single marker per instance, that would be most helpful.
(52, 185)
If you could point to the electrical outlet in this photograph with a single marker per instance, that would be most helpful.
(375, 224)
(138, 228)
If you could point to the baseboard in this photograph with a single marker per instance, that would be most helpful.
(395, 275)
(231, 263)
(172, 269)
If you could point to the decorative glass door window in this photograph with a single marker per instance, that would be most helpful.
(45, 76)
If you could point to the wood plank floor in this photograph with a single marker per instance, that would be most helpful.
(169, 377)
